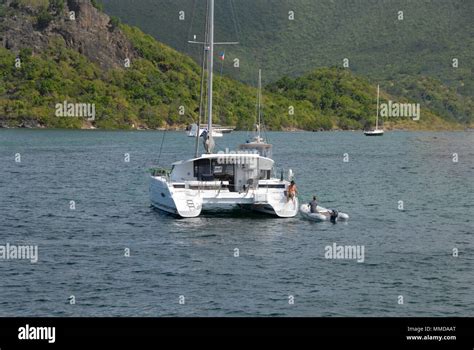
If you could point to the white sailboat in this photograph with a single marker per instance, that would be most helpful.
(376, 131)
(219, 179)
(194, 128)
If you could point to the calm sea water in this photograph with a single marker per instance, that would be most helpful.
(81, 251)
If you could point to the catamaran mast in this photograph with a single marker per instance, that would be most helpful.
(210, 68)
(378, 98)
(203, 77)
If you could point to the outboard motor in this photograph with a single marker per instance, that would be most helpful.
(334, 215)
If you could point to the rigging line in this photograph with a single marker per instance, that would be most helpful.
(221, 107)
(219, 148)
(264, 129)
(237, 28)
(161, 147)
(192, 18)
(206, 39)
(265, 134)
(255, 125)
(193, 15)
(235, 19)
(201, 102)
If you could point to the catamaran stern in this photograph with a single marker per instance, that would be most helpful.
(284, 209)
(177, 203)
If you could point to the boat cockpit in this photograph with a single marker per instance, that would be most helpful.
(238, 171)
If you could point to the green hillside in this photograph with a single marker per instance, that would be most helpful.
(347, 99)
(159, 81)
(395, 53)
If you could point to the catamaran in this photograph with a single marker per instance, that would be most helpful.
(376, 131)
(244, 178)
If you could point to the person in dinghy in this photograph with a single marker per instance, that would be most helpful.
(312, 211)
(313, 205)
(313, 208)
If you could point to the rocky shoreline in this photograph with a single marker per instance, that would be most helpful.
(37, 125)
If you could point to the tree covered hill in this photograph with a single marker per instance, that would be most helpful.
(404, 56)
(83, 61)
(347, 99)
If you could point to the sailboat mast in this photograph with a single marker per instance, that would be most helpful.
(203, 77)
(259, 102)
(210, 69)
(378, 99)
(201, 102)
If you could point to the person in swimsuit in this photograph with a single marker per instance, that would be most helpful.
(292, 191)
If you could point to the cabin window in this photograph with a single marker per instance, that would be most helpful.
(272, 186)
(202, 169)
(265, 174)
(212, 170)
(223, 172)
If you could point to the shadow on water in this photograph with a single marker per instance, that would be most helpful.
(231, 212)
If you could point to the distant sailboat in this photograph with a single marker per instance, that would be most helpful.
(258, 144)
(194, 128)
(376, 131)
(217, 130)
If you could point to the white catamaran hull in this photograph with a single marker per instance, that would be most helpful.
(179, 200)
(163, 197)
(282, 209)
(225, 178)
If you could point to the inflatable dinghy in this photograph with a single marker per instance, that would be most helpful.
(323, 214)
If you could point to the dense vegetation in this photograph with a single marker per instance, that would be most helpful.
(344, 98)
(405, 56)
(151, 91)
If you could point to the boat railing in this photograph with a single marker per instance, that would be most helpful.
(206, 185)
(160, 172)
